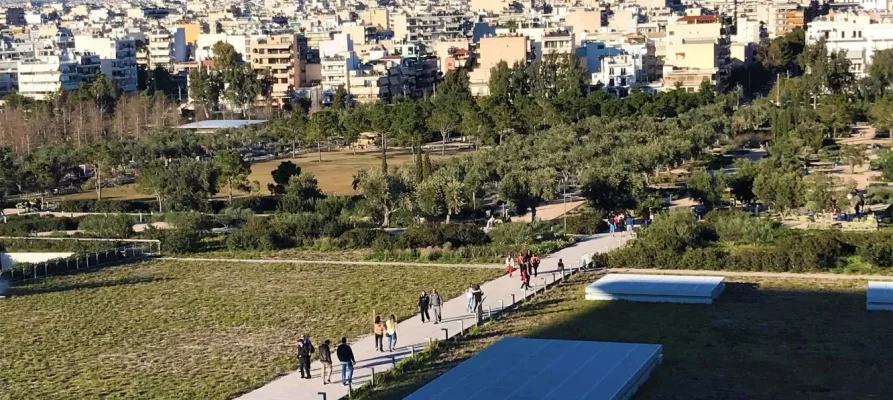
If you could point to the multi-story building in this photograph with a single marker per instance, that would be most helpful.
(428, 27)
(165, 47)
(618, 61)
(118, 58)
(278, 58)
(780, 18)
(491, 51)
(39, 79)
(856, 33)
(697, 49)
(557, 42)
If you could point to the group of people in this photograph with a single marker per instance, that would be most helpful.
(474, 298)
(433, 301)
(527, 264)
(343, 352)
(621, 222)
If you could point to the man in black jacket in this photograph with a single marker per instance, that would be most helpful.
(424, 302)
(325, 358)
(345, 355)
(305, 349)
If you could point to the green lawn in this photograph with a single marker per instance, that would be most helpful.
(763, 339)
(191, 330)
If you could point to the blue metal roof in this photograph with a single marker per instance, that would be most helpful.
(222, 124)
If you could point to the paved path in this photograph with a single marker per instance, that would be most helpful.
(412, 334)
(331, 262)
(748, 274)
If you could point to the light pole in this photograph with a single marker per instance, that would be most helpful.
(564, 194)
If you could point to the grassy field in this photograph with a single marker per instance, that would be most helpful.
(180, 330)
(763, 339)
(335, 173)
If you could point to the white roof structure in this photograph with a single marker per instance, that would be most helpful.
(656, 288)
(547, 369)
(222, 124)
(879, 296)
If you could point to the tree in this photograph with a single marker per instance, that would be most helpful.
(300, 194)
(291, 128)
(525, 189)
(323, 125)
(385, 193)
(183, 185)
(225, 57)
(103, 158)
(339, 100)
(234, 169)
(160, 81)
(781, 190)
(885, 165)
(382, 121)
(882, 115)
(822, 193)
(708, 189)
(354, 122)
(282, 176)
(10, 172)
(881, 68)
(445, 118)
(610, 190)
(834, 112)
(104, 92)
(242, 88)
(853, 155)
(477, 124)
(205, 88)
(441, 193)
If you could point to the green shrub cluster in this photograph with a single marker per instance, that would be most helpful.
(111, 227)
(585, 223)
(30, 224)
(284, 231)
(105, 206)
(735, 241)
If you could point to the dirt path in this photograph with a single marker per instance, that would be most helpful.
(748, 274)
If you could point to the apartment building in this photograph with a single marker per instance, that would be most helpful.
(166, 47)
(858, 34)
(780, 18)
(451, 54)
(697, 49)
(278, 58)
(429, 27)
(38, 79)
(557, 42)
(583, 20)
(118, 57)
(617, 61)
(490, 52)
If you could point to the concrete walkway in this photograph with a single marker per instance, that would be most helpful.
(750, 274)
(412, 334)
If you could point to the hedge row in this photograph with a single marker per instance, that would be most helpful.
(103, 206)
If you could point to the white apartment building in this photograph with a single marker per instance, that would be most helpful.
(166, 47)
(207, 40)
(337, 59)
(38, 79)
(618, 61)
(428, 27)
(118, 58)
(856, 33)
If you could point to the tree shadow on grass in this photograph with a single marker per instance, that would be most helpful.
(40, 289)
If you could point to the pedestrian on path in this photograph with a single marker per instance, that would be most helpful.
(424, 302)
(510, 264)
(391, 331)
(535, 264)
(305, 349)
(469, 299)
(630, 221)
(345, 355)
(325, 358)
(437, 305)
(525, 279)
(560, 265)
(378, 330)
(611, 227)
(478, 295)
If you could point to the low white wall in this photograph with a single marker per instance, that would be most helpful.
(8, 259)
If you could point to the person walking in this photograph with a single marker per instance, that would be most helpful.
(437, 305)
(325, 358)
(469, 299)
(560, 265)
(345, 356)
(424, 302)
(510, 264)
(391, 331)
(378, 330)
(630, 221)
(611, 226)
(535, 264)
(525, 279)
(305, 349)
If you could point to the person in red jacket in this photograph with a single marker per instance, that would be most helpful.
(525, 279)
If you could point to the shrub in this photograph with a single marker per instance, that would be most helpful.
(879, 195)
(706, 258)
(258, 234)
(675, 232)
(31, 224)
(880, 255)
(433, 235)
(363, 237)
(253, 203)
(741, 227)
(585, 223)
(516, 233)
(177, 240)
(106, 206)
(294, 229)
(188, 220)
(812, 252)
(112, 226)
